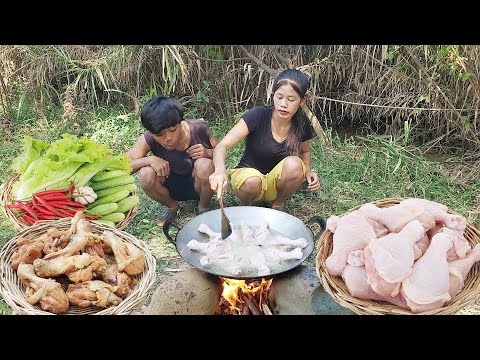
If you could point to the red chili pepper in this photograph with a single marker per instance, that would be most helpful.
(66, 213)
(54, 197)
(72, 187)
(66, 203)
(28, 219)
(47, 217)
(47, 205)
(40, 209)
(49, 192)
(23, 207)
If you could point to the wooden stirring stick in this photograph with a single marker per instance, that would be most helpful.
(226, 228)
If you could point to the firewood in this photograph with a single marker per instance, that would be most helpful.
(253, 307)
(245, 310)
(266, 309)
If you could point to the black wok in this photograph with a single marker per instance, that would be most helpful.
(280, 222)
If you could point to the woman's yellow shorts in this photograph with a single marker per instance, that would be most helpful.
(269, 180)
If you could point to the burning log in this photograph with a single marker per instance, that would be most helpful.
(251, 305)
(241, 297)
(266, 309)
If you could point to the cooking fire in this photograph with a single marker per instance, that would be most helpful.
(244, 297)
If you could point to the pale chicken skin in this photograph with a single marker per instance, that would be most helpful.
(439, 212)
(351, 232)
(458, 270)
(396, 217)
(427, 287)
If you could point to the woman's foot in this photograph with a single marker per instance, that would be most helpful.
(281, 208)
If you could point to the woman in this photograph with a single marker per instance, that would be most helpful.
(276, 160)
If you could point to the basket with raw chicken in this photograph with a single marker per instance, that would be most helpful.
(75, 266)
(400, 256)
(54, 180)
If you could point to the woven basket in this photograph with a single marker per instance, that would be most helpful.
(13, 290)
(337, 289)
(13, 215)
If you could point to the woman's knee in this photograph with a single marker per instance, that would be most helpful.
(147, 177)
(292, 167)
(252, 185)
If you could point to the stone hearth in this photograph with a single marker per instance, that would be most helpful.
(193, 292)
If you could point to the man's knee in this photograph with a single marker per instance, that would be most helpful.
(203, 168)
(147, 177)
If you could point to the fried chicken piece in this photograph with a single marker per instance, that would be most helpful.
(56, 240)
(77, 268)
(82, 238)
(117, 278)
(28, 250)
(96, 248)
(95, 292)
(46, 291)
(129, 258)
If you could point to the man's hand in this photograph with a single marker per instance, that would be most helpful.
(198, 151)
(161, 166)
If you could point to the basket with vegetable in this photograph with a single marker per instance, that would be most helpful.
(54, 180)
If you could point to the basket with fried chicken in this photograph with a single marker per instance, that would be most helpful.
(75, 266)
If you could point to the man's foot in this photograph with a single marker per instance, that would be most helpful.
(165, 214)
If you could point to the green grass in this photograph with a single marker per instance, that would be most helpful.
(352, 172)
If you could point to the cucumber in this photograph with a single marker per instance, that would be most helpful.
(105, 175)
(105, 192)
(116, 181)
(104, 222)
(128, 203)
(102, 209)
(112, 198)
(115, 217)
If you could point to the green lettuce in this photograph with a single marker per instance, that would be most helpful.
(66, 159)
(32, 150)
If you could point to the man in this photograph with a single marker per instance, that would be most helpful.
(181, 160)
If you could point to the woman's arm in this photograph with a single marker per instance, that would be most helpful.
(310, 176)
(305, 154)
(218, 180)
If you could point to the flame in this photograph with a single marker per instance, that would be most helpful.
(231, 287)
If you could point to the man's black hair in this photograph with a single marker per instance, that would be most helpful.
(161, 112)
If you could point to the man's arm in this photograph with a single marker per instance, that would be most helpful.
(137, 154)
